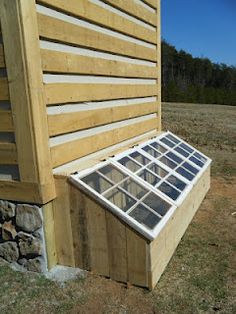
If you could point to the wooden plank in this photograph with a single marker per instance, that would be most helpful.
(137, 258)
(103, 154)
(65, 32)
(4, 92)
(19, 191)
(6, 122)
(101, 16)
(2, 58)
(74, 121)
(8, 154)
(62, 62)
(97, 234)
(133, 8)
(62, 223)
(80, 233)
(116, 237)
(49, 233)
(159, 64)
(58, 93)
(20, 30)
(163, 247)
(152, 3)
(69, 151)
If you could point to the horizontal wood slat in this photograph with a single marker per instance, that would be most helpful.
(6, 123)
(4, 92)
(63, 62)
(8, 154)
(21, 191)
(57, 93)
(58, 30)
(152, 3)
(69, 151)
(96, 14)
(74, 121)
(133, 8)
(2, 59)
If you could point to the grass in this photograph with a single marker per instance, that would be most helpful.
(201, 277)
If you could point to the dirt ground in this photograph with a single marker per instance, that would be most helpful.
(201, 276)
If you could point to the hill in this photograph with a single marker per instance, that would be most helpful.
(196, 80)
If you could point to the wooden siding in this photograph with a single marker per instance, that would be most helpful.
(101, 54)
(94, 42)
(8, 151)
(21, 92)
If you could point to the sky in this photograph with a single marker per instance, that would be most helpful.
(204, 28)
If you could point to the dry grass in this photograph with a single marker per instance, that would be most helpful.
(201, 275)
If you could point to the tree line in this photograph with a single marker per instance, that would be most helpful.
(196, 80)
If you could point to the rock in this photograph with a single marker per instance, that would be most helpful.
(8, 231)
(22, 261)
(9, 251)
(36, 265)
(21, 235)
(3, 262)
(28, 218)
(7, 210)
(30, 246)
(38, 234)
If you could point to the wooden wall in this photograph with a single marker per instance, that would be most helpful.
(8, 154)
(83, 76)
(23, 116)
(92, 238)
(100, 71)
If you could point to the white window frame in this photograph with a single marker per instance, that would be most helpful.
(148, 233)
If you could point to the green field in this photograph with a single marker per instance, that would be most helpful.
(201, 277)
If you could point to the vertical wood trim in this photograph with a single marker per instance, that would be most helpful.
(159, 126)
(79, 228)
(49, 232)
(23, 63)
(63, 224)
(97, 234)
(137, 258)
(116, 237)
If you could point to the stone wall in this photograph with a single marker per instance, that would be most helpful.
(21, 235)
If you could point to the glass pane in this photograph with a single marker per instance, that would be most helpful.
(120, 199)
(149, 177)
(134, 188)
(144, 216)
(159, 147)
(130, 164)
(97, 182)
(174, 157)
(181, 151)
(185, 173)
(157, 204)
(196, 161)
(200, 157)
(186, 147)
(179, 184)
(169, 191)
(167, 142)
(158, 170)
(168, 162)
(190, 168)
(173, 138)
(140, 158)
(113, 173)
(151, 151)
